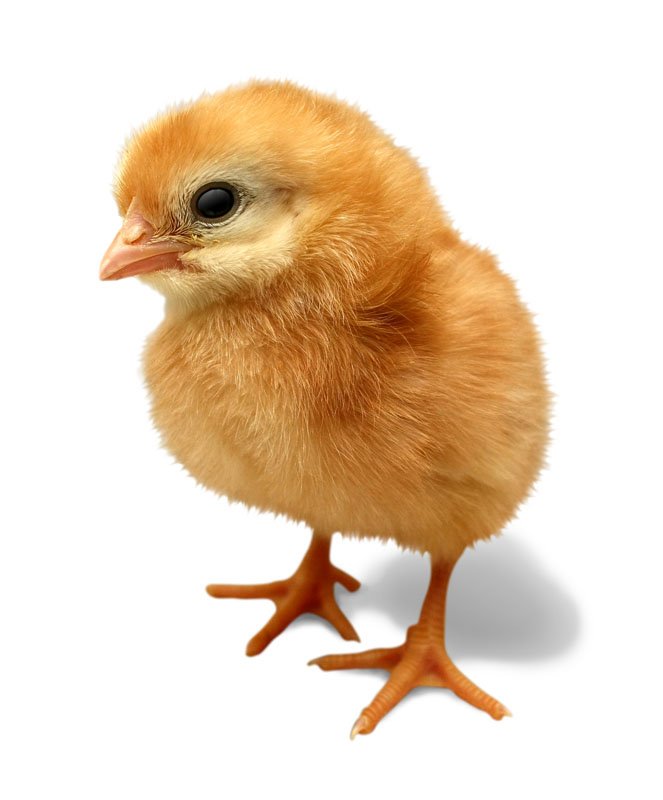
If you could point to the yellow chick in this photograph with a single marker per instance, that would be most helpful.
(331, 350)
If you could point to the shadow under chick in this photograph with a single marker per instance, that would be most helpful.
(502, 603)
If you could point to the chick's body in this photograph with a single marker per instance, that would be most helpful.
(335, 352)
(430, 438)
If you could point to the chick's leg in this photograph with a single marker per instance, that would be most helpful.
(421, 661)
(310, 590)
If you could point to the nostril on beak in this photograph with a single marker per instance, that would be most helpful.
(133, 232)
(136, 227)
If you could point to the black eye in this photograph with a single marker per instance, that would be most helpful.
(214, 202)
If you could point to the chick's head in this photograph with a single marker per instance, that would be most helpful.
(222, 195)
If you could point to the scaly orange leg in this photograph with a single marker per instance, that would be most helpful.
(421, 661)
(310, 590)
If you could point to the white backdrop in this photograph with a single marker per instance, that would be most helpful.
(540, 125)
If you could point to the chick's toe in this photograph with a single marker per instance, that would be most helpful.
(310, 590)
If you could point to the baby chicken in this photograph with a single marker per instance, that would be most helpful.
(331, 350)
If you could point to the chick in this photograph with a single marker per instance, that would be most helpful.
(331, 350)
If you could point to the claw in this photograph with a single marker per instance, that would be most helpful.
(360, 726)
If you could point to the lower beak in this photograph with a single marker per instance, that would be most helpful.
(133, 252)
(122, 260)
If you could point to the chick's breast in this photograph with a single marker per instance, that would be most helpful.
(427, 428)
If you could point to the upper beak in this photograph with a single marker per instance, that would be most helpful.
(133, 252)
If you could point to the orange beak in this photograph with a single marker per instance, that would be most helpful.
(133, 252)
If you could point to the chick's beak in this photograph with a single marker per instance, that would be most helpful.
(133, 252)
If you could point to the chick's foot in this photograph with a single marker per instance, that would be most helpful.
(310, 590)
(421, 661)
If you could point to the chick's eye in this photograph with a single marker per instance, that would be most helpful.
(214, 202)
